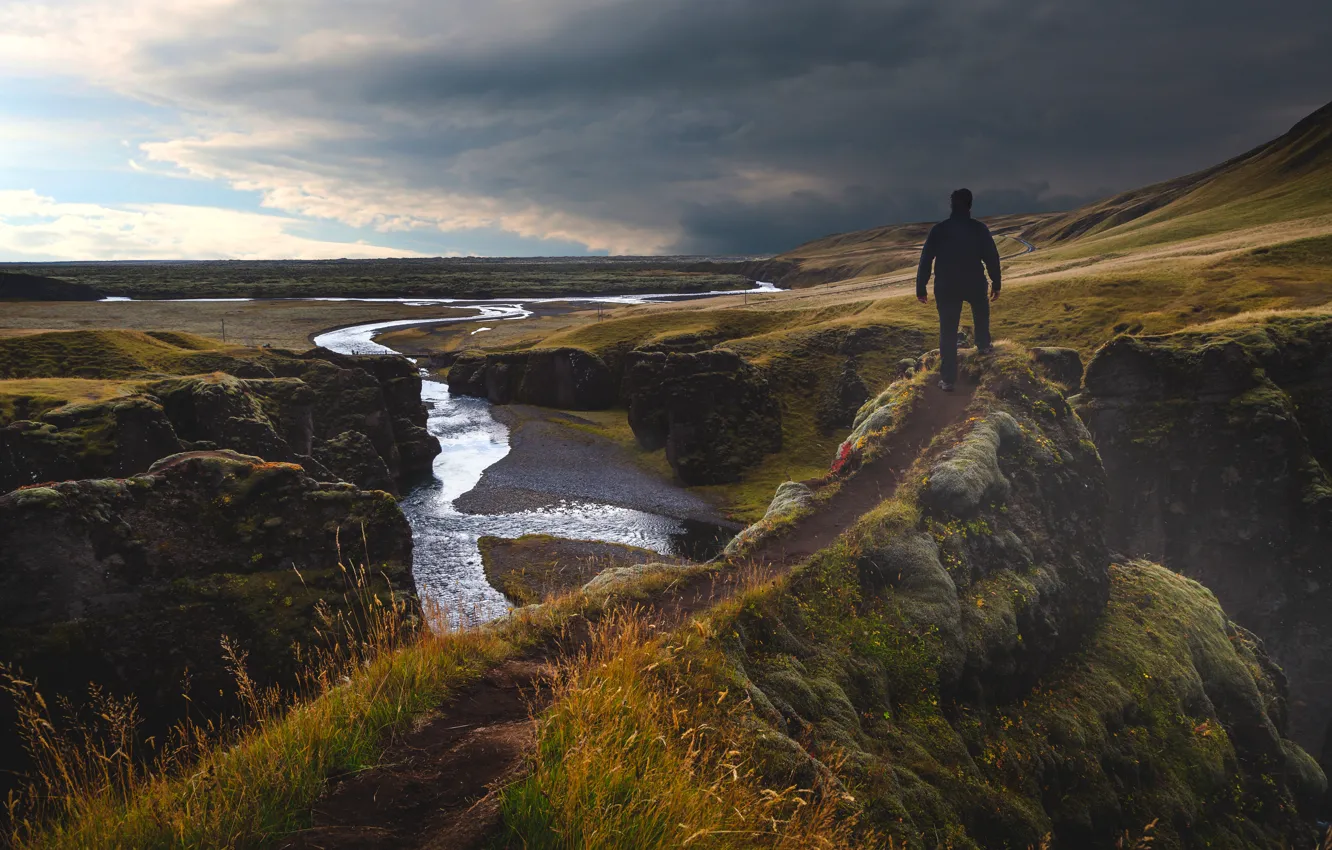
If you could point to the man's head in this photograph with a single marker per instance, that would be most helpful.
(961, 201)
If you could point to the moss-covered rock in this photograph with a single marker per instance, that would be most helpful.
(713, 412)
(108, 439)
(529, 568)
(132, 583)
(566, 378)
(792, 500)
(1217, 449)
(351, 456)
(988, 679)
(278, 406)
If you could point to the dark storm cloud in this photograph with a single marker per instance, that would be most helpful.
(752, 125)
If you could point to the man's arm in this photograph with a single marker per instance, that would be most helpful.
(926, 266)
(990, 254)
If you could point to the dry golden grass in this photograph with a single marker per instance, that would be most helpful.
(629, 756)
(244, 783)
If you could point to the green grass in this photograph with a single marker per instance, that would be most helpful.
(28, 398)
(109, 354)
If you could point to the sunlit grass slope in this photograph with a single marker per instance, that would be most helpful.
(1286, 179)
(107, 354)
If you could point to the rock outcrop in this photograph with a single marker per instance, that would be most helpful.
(986, 676)
(131, 583)
(280, 408)
(713, 412)
(565, 378)
(1217, 447)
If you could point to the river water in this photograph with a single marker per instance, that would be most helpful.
(447, 562)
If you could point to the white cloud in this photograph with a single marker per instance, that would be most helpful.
(340, 191)
(36, 227)
(638, 126)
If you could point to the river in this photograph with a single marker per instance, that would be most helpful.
(447, 561)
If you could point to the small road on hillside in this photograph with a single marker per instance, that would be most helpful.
(437, 788)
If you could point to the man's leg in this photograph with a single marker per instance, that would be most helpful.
(980, 317)
(950, 313)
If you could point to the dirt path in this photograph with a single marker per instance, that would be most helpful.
(436, 788)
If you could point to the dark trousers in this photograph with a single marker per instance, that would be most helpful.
(950, 314)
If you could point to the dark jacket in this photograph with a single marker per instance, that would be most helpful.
(957, 249)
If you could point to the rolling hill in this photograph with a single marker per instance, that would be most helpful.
(1287, 181)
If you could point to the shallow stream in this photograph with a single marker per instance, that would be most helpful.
(447, 562)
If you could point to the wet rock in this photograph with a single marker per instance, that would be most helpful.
(713, 412)
(565, 378)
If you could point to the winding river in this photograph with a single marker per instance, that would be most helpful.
(447, 562)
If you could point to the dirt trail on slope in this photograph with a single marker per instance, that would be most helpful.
(436, 788)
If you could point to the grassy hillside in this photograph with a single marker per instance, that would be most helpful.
(1287, 178)
(872, 253)
(107, 354)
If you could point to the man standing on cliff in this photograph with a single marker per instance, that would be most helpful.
(959, 250)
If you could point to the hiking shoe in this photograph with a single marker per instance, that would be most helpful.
(946, 386)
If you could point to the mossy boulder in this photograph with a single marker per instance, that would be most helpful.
(131, 583)
(1217, 448)
(792, 500)
(713, 412)
(565, 378)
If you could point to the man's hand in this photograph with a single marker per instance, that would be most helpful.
(994, 295)
(924, 299)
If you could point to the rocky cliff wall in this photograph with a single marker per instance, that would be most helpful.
(1216, 445)
(355, 419)
(714, 413)
(566, 378)
(988, 677)
(131, 583)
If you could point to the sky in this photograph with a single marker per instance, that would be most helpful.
(201, 129)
